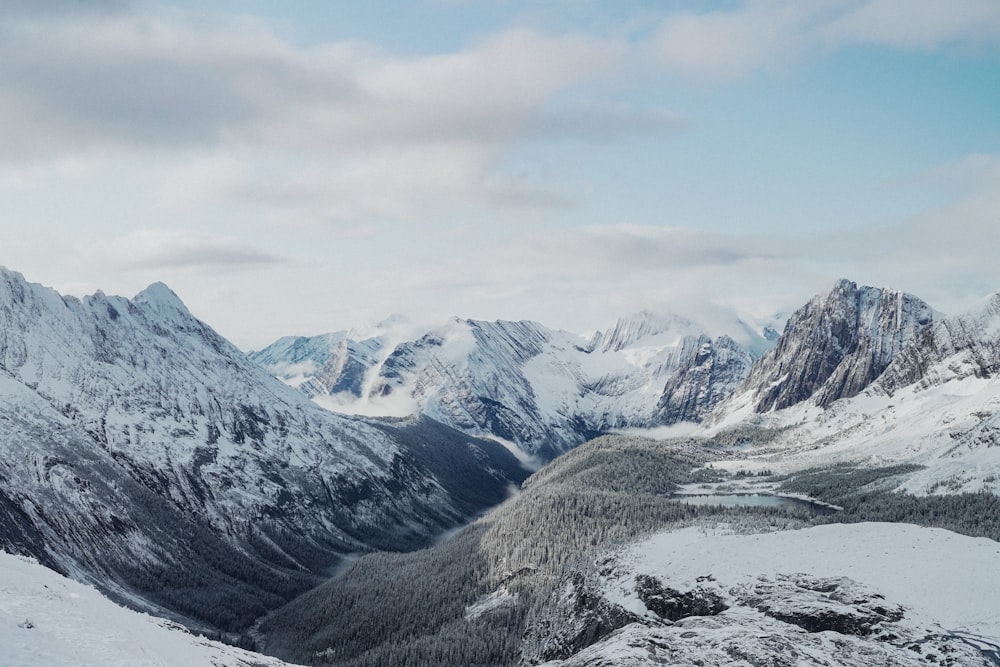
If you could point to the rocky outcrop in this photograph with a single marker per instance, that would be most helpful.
(581, 618)
(780, 621)
(822, 604)
(673, 605)
(837, 345)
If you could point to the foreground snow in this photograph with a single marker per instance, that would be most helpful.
(48, 620)
(847, 594)
(944, 577)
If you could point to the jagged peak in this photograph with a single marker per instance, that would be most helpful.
(11, 274)
(632, 328)
(837, 344)
(846, 288)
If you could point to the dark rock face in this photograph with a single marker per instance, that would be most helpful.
(584, 617)
(711, 373)
(837, 345)
(673, 605)
(822, 604)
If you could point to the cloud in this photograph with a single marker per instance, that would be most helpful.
(361, 133)
(151, 76)
(768, 34)
(174, 249)
(917, 24)
(727, 44)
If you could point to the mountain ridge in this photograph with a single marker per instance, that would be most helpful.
(138, 438)
(543, 389)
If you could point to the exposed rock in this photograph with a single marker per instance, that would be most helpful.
(581, 618)
(673, 605)
(820, 605)
(709, 372)
(837, 345)
(960, 346)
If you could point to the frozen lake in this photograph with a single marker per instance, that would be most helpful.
(753, 500)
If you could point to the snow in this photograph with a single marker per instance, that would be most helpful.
(491, 602)
(553, 380)
(950, 427)
(50, 621)
(938, 576)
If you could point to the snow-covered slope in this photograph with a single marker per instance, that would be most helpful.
(334, 365)
(138, 444)
(47, 620)
(847, 594)
(542, 389)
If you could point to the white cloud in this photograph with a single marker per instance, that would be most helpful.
(153, 77)
(363, 133)
(157, 249)
(917, 24)
(726, 44)
(764, 34)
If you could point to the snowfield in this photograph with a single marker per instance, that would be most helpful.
(50, 621)
(950, 428)
(944, 578)
(852, 595)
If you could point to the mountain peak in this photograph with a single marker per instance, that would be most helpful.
(632, 328)
(163, 301)
(837, 344)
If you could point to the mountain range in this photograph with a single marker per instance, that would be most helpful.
(541, 389)
(147, 455)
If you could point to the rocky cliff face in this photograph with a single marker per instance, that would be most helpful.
(711, 372)
(964, 345)
(837, 345)
(139, 443)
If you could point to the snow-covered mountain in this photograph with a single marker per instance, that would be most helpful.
(542, 389)
(144, 452)
(870, 375)
(956, 347)
(836, 345)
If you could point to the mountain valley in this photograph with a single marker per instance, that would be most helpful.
(147, 456)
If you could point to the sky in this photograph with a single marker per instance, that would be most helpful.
(299, 168)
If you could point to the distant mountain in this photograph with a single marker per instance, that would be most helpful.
(144, 452)
(541, 389)
(837, 345)
(864, 373)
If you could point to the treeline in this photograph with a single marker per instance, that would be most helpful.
(399, 609)
(866, 495)
(410, 609)
(413, 609)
